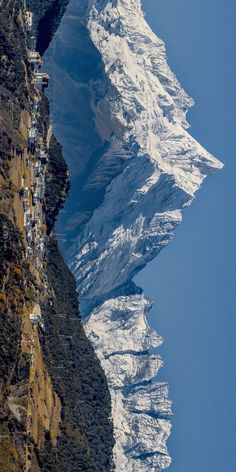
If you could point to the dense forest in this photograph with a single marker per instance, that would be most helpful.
(79, 381)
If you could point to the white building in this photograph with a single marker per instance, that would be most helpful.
(36, 213)
(35, 317)
(43, 157)
(27, 218)
(28, 20)
(25, 204)
(41, 80)
(33, 132)
(35, 59)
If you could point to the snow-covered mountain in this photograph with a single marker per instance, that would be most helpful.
(120, 113)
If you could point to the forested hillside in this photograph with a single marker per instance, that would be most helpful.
(55, 405)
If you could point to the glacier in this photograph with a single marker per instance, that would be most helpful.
(120, 113)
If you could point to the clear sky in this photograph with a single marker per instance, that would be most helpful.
(193, 280)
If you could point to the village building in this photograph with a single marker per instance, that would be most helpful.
(35, 103)
(29, 251)
(37, 169)
(32, 139)
(28, 20)
(37, 180)
(33, 132)
(32, 173)
(43, 158)
(27, 218)
(35, 59)
(26, 192)
(25, 204)
(32, 42)
(35, 317)
(41, 190)
(36, 213)
(33, 121)
(29, 237)
(41, 80)
(34, 198)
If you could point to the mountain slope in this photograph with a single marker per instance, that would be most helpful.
(55, 406)
(134, 168)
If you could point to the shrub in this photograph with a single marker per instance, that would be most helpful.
(3, 297)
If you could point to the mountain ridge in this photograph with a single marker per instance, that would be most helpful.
(132, 176)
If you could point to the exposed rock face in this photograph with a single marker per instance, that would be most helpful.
(134, 167)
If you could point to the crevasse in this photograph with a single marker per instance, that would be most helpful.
(142, 167)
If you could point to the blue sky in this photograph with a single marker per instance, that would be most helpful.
(192, 282)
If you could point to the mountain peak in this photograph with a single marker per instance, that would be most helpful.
(134, 168)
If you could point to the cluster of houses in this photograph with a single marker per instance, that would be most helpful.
(28, 20)
(36, 162)
(33, 196)
(41, 79)
(36, 316)
(36, 157)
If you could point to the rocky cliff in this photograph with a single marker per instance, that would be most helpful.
(121, 116)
